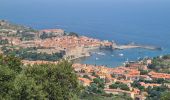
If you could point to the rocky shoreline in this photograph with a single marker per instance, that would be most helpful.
(113, 47)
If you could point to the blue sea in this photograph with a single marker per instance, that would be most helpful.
(145, 22)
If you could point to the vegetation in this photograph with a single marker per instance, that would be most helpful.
(165, 96)
(137, 85)
(3, 42)
(37, 82)
(46, 82)
(157, 81)
(96, 86)
(154, 93)
(9, 25)
(95, 92)
(158, 93)
(105, 97)
(161, 64)
(25, 36)
(73, 34)
(45, 35)
(143, 72)
(119, 85)
(86, 76)
(29, 55)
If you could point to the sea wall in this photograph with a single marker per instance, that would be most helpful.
(122, 47)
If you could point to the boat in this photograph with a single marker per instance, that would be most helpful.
(121, 54)
(101, 53)
(97, 58)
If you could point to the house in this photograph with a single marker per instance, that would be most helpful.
(149, 84)
(84, 81)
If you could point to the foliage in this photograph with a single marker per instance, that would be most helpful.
(165, 96)
(85, 96)
(58, 81)
(86, 76)
(44, 36)
(29, 55)
(25, 88)
(27, 36)
(161, 64)
(7, 76)
(119, 85)
(143, 72)
(11, 62)
(41, 56)
(100, 82)
(10, 67)
(47, 35)
(96, 87)
(158, 81)
(137, 85)
(166, 57)
(73, 34)
(156, 93)
(3, 42)
(37, 82)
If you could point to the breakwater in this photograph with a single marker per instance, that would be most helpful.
(129, 46)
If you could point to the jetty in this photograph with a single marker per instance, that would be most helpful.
(131, 46)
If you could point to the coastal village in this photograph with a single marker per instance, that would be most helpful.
(122, 74)
(52, 41)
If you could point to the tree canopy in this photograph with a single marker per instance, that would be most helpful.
(46, 81)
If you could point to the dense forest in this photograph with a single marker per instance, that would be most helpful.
(37, 82)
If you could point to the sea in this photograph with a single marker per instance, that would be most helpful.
(145, 22)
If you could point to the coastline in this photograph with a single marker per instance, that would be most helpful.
(114, 47)
(86, 52)
(73, 46)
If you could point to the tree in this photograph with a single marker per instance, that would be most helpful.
(166, 57)
(156, 93)
(44, 36)
(160, 80)
(113, 86)
(7, 76)
(86, 76)
(124, 87)
(143, 72)
(25, 88)
(165, 96)
(119, 85)
(99, 82)
(9, 68)
(58, 81)
(12, 62)
(46, 81)
(73, 34)
(3, 42)
(96, 87)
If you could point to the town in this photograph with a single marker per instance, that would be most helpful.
(132, 79)
(51, 45)
(48, 41)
